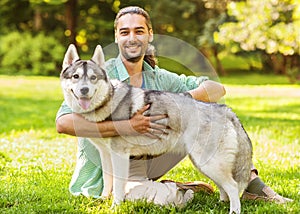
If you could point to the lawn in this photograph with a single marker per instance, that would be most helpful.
(36, 163)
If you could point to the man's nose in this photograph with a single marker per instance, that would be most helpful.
(132, 36)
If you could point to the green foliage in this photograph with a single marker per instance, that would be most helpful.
(271, 26)
(36, 163)
(22, 53)
(184, 19)
(12, 13)
(54, 2)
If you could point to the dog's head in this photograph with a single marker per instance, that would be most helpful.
(84, 82)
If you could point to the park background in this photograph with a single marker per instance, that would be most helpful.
(252, 45)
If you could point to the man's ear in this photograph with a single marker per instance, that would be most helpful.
(116, 39)
(150, 35)
(70, 56)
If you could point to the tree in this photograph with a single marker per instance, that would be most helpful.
(46, 10)
(88, 23)
(208, 44)
(9, 21)
(270, 27)
(71, 20)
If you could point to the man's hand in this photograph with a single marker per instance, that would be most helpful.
(147, 124)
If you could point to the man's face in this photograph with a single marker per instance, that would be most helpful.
(132, 35)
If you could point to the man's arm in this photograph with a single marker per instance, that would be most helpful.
(208, 91)
(76, 125)
(200, 88)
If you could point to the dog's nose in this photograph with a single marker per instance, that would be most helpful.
(84, 90)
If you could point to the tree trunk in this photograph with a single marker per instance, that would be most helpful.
(37, 22)
(220, 69)
(273, 63)
(71, 19)
(293, 68)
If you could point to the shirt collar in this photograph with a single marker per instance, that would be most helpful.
(122, 72)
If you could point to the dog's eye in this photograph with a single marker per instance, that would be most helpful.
(75, 76)
(94, 77)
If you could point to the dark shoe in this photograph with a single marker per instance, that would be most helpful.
(196, 186)
(269, 195)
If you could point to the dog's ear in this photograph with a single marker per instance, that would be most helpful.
(70, 56)
(98, 57)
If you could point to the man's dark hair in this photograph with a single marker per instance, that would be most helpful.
(150, 52)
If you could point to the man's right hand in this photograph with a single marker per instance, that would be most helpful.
(148, 125)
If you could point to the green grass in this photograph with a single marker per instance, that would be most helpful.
(252, 78)
(36, 163)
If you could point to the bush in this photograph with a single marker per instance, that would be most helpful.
(22, 53)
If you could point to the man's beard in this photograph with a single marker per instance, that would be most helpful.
(136, 58)
(133, 59)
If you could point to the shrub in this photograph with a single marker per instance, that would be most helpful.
(22, 53)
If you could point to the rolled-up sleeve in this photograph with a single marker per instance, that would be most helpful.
(64, 109)
(192, 82)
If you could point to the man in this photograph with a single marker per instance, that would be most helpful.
(136, 66)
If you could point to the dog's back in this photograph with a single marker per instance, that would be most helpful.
(206, 131)
(213, 137)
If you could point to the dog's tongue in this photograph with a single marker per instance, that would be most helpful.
(84, 103)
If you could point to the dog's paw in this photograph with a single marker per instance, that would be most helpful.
(115, 204)
(113, 207)
(103, 198)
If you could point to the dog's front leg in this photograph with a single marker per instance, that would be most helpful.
(106, 170)
(120, 163)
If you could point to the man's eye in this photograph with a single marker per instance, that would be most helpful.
(139, 32)
(123, 33)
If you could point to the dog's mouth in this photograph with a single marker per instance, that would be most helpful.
(83, 101)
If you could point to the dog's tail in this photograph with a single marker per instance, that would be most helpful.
(243, 162)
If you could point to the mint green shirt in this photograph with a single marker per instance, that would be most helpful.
(87, 176)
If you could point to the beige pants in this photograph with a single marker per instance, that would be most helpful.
(158, 193)
(143, 173)
(141, 185)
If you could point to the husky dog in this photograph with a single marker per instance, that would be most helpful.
(211, 134)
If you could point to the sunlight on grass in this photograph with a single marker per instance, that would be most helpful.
(29, 152)
(37, 174)
(254, 79)
(29, 103)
